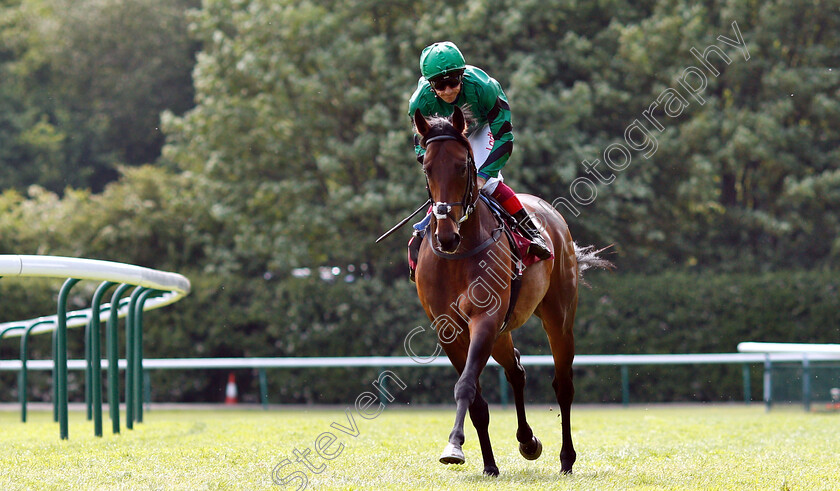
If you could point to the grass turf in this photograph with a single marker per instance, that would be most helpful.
(695, 447)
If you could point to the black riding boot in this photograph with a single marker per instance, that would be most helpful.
(538, 246)
(413, 253)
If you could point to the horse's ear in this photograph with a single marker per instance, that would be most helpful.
(458, 121)
(420, 123)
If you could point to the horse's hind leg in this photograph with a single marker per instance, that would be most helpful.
(508, 357)
(557, 322)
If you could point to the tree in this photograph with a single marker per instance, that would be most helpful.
(145, 218)
(31, 145)
(300, 126)
(84, 84)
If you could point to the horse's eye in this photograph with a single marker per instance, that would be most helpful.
(463, 170)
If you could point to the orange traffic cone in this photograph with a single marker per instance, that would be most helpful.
(230, 391)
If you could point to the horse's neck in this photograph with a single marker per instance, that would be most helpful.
(478, 227)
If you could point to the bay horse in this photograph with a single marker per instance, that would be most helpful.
(464, 282)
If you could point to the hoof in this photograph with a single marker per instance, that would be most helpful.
(532, 450)
(453, 454)
(491, 471)
(567, 460)
(566, 467)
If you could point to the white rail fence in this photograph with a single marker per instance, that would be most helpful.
(787, 353)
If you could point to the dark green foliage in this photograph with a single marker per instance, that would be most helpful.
(83, 85)
(693, 313)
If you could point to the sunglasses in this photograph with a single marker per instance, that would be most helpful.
(445, 82)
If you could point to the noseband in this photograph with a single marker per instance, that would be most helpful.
(442, 209)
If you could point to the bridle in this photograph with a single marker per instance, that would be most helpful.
(442, 209)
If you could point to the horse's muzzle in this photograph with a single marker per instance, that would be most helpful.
(449, 242)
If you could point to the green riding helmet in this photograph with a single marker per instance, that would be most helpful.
(441, 58)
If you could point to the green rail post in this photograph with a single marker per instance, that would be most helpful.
(806, 382)
(113, 358)
(24, 360)
(263, 388)
(24, 356)
(138, 354)
(745, 370)
(382, 389)
(625, 386)
(95, 365)
(88, 371)
(768, 382)
(23, 380)
(130, 357)
(61, 357)
(89, 329)
(147, 389)
(54, 378)
(3, 333)
(503, 388)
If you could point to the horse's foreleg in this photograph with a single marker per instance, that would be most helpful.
(481, 343)
(480, 416)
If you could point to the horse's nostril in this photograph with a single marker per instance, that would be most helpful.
(448, 242)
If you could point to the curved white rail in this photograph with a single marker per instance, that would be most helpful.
(175, 285)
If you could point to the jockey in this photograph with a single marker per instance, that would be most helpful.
(447, 81)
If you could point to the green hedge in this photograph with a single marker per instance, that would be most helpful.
(693, 313)
(667, 313)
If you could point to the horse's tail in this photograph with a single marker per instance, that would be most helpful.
(587, 258)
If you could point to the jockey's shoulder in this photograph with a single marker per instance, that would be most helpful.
(477, 75)
(480, 90)
(423, 99)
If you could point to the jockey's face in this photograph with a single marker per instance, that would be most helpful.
(448, 85)
(449, 94)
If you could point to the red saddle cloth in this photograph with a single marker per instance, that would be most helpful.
(522, 244)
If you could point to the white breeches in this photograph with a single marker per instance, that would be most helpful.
(482, 142)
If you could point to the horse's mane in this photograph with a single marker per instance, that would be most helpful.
(443, 126)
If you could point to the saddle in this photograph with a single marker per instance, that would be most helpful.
(512, 231)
